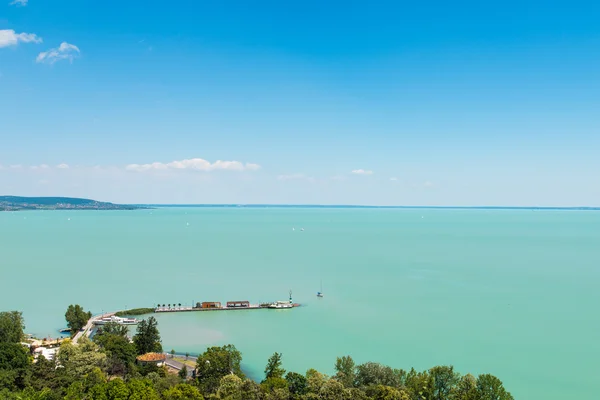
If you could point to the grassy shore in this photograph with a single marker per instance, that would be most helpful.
(134, 311)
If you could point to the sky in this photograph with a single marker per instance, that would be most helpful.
(302, 102)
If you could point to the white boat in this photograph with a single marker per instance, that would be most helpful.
(320, 294)
(116, 320)
(283, 304)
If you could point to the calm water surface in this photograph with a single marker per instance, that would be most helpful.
(509, 292)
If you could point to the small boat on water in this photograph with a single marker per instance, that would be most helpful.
(116, 320)
(282, 304)
(320, 293)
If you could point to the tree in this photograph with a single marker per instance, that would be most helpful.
(76, 317)
(381, 392)
(120, 351)
(182, 391)
(466, 389)
(419, 384)
(345, 371)
(187, 355)
(78, 361)
(142, 389)
(147, 338)
(230, 388)
(183, 372)
(13, 356)
(14, 365)
(172, 353)
(491, 388)
(297, 384)
(273, 368)
(11, 327)
(334, 390)
(215, 363)
(371, 373)
(444, 381)
(111, 328)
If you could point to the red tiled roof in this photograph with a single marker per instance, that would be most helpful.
(152, 357)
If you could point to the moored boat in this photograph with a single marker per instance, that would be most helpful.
(117, 320)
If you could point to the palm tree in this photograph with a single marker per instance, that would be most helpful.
(179, 304)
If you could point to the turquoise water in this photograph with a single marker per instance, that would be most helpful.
(509, 292)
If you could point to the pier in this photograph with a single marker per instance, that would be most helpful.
(228, 306)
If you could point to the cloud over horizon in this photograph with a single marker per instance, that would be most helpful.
(18, 3)
(65, 51)
(197, 164)
(362, 172)
(8, 37)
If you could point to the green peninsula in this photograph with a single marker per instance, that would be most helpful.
(16, 203)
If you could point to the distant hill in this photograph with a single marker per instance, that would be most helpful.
(17, 203)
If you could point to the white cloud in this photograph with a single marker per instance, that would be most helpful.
(393, 179)
(41, 166)
(296, 177)
(291, 177)
(65, 51)
(16, 166)
(197, 164)
(428, 184)
(20, 3)
(62, 166)
(362, 172)
(9, 37)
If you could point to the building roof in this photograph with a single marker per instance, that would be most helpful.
(149, 357)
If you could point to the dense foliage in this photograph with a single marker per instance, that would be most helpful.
(76, 317)
(134, 312)
(106, 369)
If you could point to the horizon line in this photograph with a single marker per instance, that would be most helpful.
(280, 205)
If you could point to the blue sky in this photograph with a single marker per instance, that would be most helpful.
(406, 103)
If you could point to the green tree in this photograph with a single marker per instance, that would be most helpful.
(112, 328)
(315, 381)
(117, 390)
(251, 390)
(274, 368)
(187, 355)
(297, 384)
(183, 372)
(491, 388)
(120, 353)
(419, 384)
(334, 390)
(182, 391)
(80, 360)
(76, 317)
(172, 353)
(230, 388)
(371, 373)
(142, 389)
(11, 326)
(147, 338)
(381, 392)
(444, 381)
(13, 356)
(215, 363)
(345, 369)
(466, 389)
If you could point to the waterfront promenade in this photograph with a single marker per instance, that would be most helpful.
(87, 329)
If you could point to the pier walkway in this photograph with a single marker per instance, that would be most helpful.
(87, 329)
